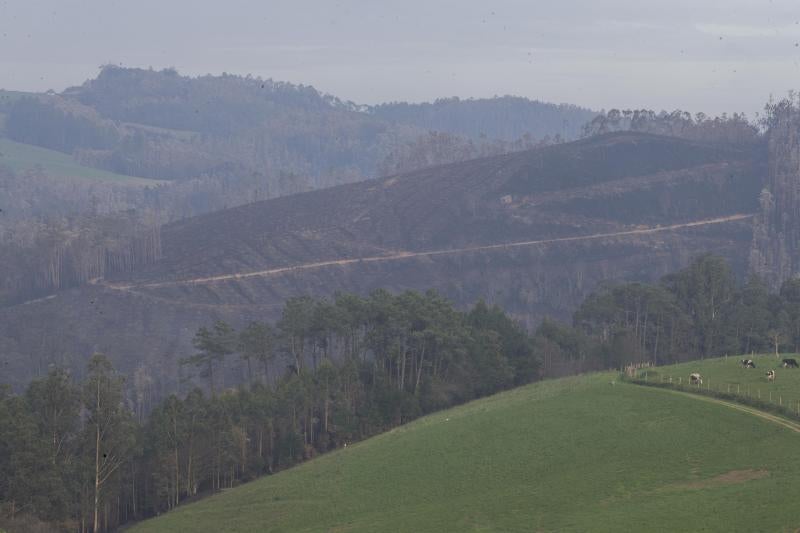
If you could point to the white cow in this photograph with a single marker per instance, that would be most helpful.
(771, 375)
(695, 379)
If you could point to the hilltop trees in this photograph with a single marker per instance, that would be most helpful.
(503, 117)
(733, 129)
(158, 124)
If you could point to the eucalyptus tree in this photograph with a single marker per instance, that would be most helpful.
(108, 429)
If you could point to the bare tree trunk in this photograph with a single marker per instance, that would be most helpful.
(177, 477)
(96, 522)
(211, 376)
(326, 411)
(133, 488)
(419, 368)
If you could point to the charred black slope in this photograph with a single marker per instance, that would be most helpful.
(604, 183)
(532, 231)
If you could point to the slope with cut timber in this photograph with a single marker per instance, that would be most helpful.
(532, 231)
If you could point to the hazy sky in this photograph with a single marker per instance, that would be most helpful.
(710, 55)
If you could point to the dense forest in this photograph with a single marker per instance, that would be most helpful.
(89, 456)
(701, 311)
(331, 372)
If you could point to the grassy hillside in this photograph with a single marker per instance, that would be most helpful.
(577, 454)
(727, 375)
(20, 157)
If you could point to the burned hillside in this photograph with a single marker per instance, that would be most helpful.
(532, 231)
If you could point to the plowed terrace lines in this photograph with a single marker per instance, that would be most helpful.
(431, 253)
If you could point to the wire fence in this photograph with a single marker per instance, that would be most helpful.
(777, 402)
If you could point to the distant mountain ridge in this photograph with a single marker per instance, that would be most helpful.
(505, 118)
(161, 125)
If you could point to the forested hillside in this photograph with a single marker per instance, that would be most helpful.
(161, 125)
(698, 312)
(326, 374)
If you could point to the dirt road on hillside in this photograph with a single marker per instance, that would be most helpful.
(399, 256)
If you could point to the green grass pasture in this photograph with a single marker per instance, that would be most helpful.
(579, 454)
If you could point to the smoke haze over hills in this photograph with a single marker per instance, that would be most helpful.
(708, 55)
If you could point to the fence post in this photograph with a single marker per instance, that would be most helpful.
(759, 394)
(729, 388)
(780, 400)
(737, 388)
(770, 396)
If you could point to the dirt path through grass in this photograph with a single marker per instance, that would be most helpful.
(794, 426)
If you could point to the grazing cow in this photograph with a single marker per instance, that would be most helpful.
(748, 363)
(695, 379)
(790, 363)
(771, 375)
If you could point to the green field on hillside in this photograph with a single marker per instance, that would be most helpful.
(580, 454)
(727, 375)
(21, 157)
